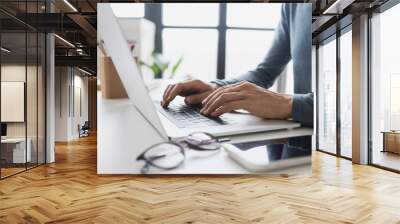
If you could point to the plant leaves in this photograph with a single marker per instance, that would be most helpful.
(160, 65)
(176, 66)
(156, 70)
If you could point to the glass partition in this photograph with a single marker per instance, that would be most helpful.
(41, 107)
(22, 66)
(13, 105)
(327, 97)
(41, 89)
(31, 99)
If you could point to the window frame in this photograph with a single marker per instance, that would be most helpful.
(341, 24)
(379, 10)
(333, 37)
(343, 31)
(153, 12)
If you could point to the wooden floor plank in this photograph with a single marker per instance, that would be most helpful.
(70, 191)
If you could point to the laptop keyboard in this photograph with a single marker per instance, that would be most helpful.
(184, 116)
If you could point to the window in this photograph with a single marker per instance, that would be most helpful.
(193, 14)
(245, 49)
(327, 97)
(184, 38)
(246, 31)
(385, 86)
(249, 36)
(346, 94)
(199, 48)
(289, 79)
(260, 15)
(394, 101)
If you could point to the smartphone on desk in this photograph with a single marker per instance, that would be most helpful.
(263, 156)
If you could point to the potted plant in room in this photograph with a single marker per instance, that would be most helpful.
(160, 65)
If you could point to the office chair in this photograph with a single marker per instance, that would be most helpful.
(84, 130)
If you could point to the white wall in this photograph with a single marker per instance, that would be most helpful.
(69, 82)
(61, 103)
(79, 118)
(12, 73)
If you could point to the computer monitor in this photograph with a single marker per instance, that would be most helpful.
(3, 129)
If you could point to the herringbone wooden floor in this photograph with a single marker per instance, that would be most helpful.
(69, 191)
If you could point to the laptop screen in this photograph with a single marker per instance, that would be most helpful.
(111, 38)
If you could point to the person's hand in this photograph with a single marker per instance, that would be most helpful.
(194, 92)
(250, 97)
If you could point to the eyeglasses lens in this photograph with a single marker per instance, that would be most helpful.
(203, 141)
(165, 155)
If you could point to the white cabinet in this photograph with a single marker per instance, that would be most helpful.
(16, 147)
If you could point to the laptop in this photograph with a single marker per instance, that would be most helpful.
(178, 119)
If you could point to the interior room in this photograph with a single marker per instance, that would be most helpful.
(51, 74)
(22, 100)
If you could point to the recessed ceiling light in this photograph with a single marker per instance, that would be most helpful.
(84, 71)
(337, 7)
(5, 50)
(70, 5)
(65, 41)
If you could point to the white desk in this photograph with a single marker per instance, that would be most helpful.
(119, 144)
(19, 154)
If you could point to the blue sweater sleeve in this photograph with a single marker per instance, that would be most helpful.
(303, 109)
(276, 60)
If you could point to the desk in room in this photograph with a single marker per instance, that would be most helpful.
(16, 153)
(391, 141)
(118, 142)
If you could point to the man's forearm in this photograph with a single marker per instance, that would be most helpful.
(257, 77)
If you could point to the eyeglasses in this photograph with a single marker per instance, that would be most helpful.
(170, 155)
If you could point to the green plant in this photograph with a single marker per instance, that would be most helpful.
(160, 65)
